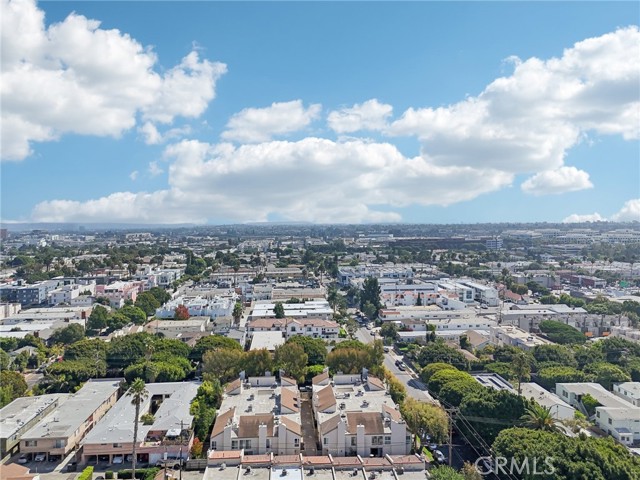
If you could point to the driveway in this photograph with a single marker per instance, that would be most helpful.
(309, 432)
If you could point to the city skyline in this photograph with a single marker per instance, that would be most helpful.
(219, 113)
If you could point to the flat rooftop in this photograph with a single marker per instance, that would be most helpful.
(493, 380)
(227, 473)
(117, 425)
(542, 396)
(268, 340)
(24, 409)
(67, 418)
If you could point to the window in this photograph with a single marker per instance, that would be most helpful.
(214, 445)
(117, 445)
(296, 442)
(31, 443)
(387, 440)
(234, 444)
(353, 441)
(325, 441)
(610, 422)
(245, 444)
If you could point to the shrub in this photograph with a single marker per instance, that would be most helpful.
(87, 474)
(108, 475)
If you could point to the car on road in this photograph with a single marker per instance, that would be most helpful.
(386, 349)
(40, 457)
(23, 459)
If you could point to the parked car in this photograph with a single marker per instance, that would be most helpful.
(386, 349)
(117, 459)
(40, 457)
(72, 466)
(432, 447)
(23, 459)
(402, 367)
(439, 456)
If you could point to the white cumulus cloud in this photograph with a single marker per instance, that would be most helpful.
(134, 175)
(589, 217)
(74, 77)
(526, 122)
(313, 179)
(370, 115)
(630, 212)
(253, 125)
(561, 180)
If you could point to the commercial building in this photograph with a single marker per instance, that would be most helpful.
(169, 433)
(356, 416)
(61, 431)
(23, 414)
(259, 416)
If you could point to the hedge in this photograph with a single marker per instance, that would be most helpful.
(141, 473)
(87, 474)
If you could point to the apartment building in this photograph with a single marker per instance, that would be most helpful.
(61, 431)
(199, 306)
(559, 409)
(119, 292)
(318, 309)
(615, 415)
(515, 337)
(259, 415)
(311, 327)
(23, 414)
(629, 391)
(356, 416)
(170, 432)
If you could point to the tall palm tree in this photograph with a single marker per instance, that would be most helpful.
(138, 394)
(538, 417)
(521, 369)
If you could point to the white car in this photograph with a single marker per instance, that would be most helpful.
(40, 457)
(117, 459)
(23, 459)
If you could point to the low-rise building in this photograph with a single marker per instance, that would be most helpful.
(199, 306)
(356, 416)
(61, 431)
(318, 309)
(259, 416)
(178, 328)
(515, 337)
(290, 327)
(615, 415)
(559, 409)
(169, 433)
(630, 391)
(23, 414)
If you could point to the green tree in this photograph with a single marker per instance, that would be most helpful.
(138, 393)
(315, 348)
(539, 417)
(278, 309)
(444, 472)
(147, 302)
(256, 362)
(425, 419)
(548, 377)
(223, 363)
(370, 294)
(427, 372)
(606, 374)
(160, 294)
(441, 378)
(12, 386)
(292, 359)
(98, 318)
(521, 370)
(68, 335)
(561, 333)
(237, 312)
(135, 314)
(439, 352)
(212, 342)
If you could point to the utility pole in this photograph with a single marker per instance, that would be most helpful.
(450, 414)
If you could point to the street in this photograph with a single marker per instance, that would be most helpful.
(415, 388)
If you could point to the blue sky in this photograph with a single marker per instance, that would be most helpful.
(175, 112)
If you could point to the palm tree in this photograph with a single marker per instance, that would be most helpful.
(138, 394)
(521, 369)
(538, 417)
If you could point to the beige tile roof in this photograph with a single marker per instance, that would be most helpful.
(290, 399)
(256, 459)
(233, 385)
(288, 381)
(248, 425)
(375, 381)
(326, 398)
(320, 378)
(372, 422)
(393, 413)
(329, 424)
(221, 421)
(287, 460)
(224, 454)
(292, 425)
